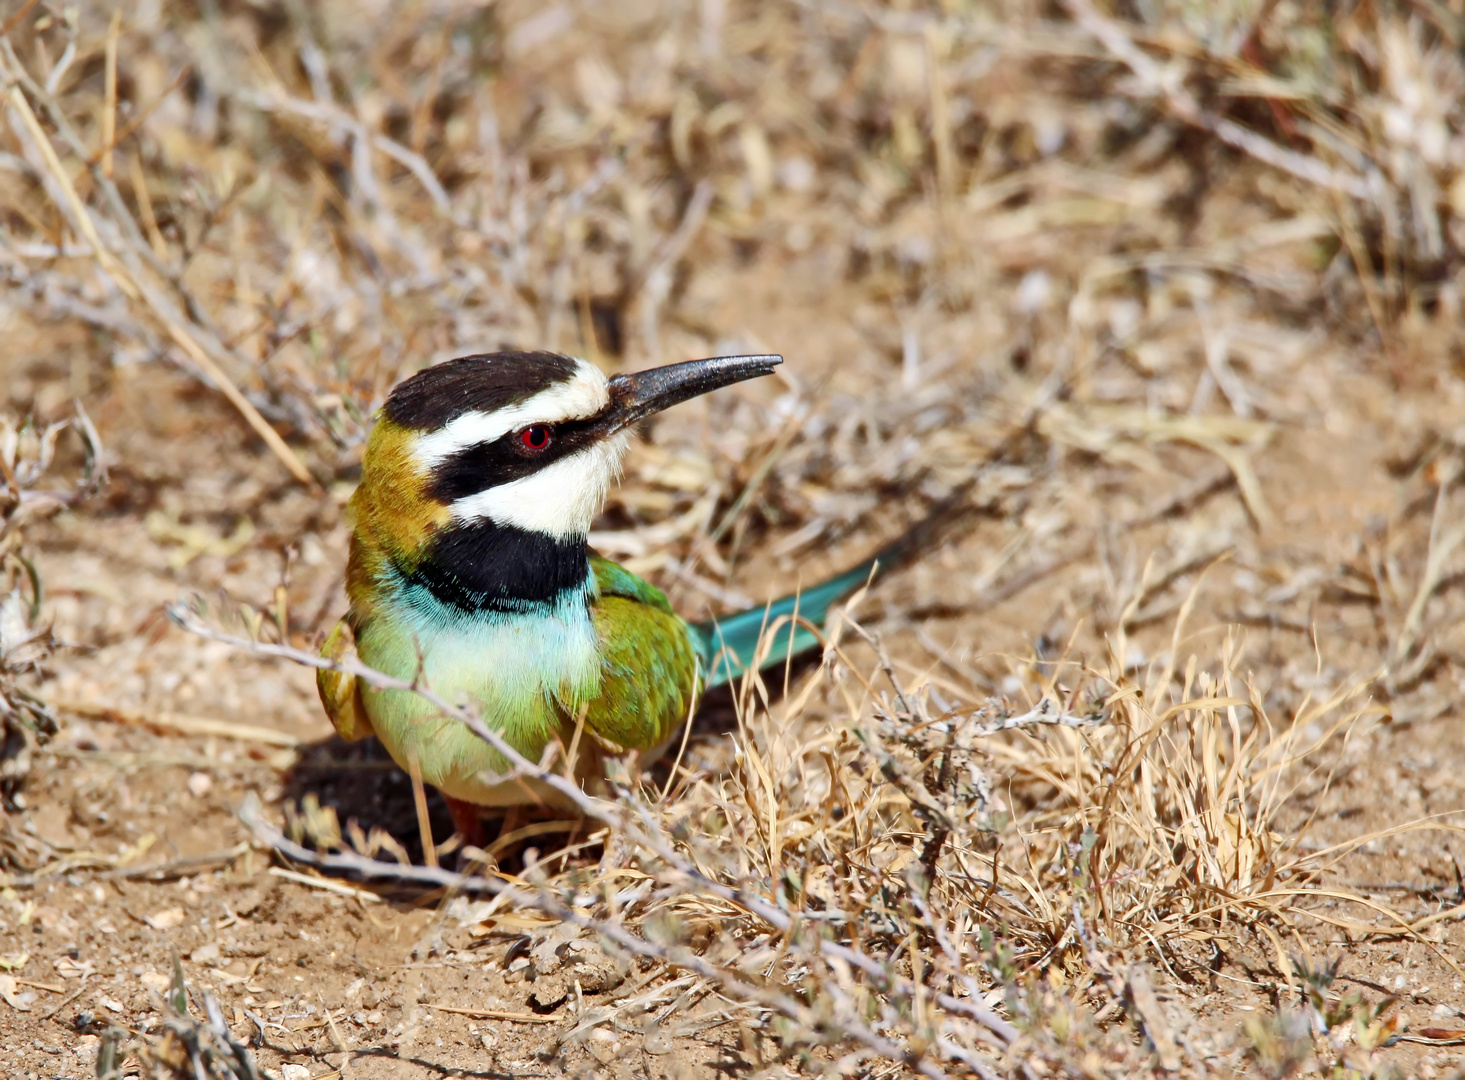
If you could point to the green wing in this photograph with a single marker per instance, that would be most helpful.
(648, 665)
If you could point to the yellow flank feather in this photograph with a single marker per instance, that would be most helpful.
(338, 690)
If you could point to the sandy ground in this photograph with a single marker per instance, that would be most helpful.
(1300, 532)
(286, 952)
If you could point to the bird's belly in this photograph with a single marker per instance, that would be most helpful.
(526, 676)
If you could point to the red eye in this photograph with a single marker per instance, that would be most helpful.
(535, 438)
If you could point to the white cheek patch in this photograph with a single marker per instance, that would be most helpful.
(560, 500)
(582, 396)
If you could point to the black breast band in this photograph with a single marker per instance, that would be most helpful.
(485, 566)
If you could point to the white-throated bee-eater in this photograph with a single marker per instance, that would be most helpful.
(470, 574)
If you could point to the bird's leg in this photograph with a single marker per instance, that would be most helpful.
(513, 818)
(466, 821)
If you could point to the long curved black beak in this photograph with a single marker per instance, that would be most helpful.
(645, 392)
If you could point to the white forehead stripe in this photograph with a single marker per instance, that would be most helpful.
(560, 500)
(583, 395)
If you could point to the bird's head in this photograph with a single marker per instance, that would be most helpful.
(511, 451)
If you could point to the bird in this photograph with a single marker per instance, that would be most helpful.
(470, 572)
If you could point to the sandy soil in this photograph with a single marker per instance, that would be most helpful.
(1296, 543)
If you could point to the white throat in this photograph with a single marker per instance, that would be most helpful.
(560, 500)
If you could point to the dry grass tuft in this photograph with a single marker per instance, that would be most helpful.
(183, 1047)
(27, 455)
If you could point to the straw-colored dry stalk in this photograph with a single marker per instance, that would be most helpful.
(27, 455)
